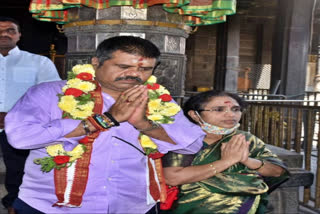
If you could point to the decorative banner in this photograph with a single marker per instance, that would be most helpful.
(194, 12)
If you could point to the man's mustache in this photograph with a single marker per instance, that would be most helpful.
(129, 78)
(5, 37)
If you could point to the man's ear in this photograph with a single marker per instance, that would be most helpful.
(95, 62)
(193, 115)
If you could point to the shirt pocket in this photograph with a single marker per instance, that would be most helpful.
(24, 75)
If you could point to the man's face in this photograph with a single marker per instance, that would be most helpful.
(123, 71)
(9, 35)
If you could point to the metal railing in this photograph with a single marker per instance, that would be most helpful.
(293, 125)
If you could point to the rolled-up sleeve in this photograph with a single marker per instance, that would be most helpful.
(35, 120)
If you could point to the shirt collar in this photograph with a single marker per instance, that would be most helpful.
(14, 51)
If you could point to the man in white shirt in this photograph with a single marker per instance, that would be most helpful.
(19, 70)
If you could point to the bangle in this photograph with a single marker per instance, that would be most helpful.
(213, 168)
(262, 164)
(86, 127)
(108, 115)
(153, 124)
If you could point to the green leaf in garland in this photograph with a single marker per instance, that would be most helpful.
(149, 150)
(66, 115)
(60, 95)
(47, 163)
(153, 96)
(71, 75)
(83, 99)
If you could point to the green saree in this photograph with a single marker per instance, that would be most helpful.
(238, 189)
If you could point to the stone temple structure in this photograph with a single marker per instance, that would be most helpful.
(88, 27)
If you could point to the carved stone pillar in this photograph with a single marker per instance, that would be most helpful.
(166, 31)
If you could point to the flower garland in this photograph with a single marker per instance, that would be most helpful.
(160, 110)
(77, 103)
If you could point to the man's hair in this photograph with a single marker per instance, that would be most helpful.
(9, 19)
(197, 102)
(128, 44)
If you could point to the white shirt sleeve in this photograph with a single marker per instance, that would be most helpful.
(47, 71)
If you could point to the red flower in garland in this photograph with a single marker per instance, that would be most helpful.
(84, 76)
(155, 155)
(84, 140)
(154, 86)
(73, 91)
(61, 159)
(165, 97)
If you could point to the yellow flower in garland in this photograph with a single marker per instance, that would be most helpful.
(72, 83)
(162, 90)
(76, 153)
(154, 105)
(78, 113)
(76, 100)
(155, 117)
(85, 86)
(146, 142)
(55, 150)
(152, 79)
(86, 68)
(171, 109)
(67, 103)
(88, 106)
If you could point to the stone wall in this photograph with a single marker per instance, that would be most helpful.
(255, 49)
(201, 57)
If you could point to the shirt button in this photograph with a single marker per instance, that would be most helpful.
(112, 161)
(109, 179)
(116, 144)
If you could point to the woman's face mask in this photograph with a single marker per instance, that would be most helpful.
(212, 129)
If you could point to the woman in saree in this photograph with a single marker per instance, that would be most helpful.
(233, 172)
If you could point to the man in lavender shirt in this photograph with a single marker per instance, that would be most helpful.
(117, 171)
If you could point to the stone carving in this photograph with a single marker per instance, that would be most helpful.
(132, 13)
(171, 72)
(172, 44)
